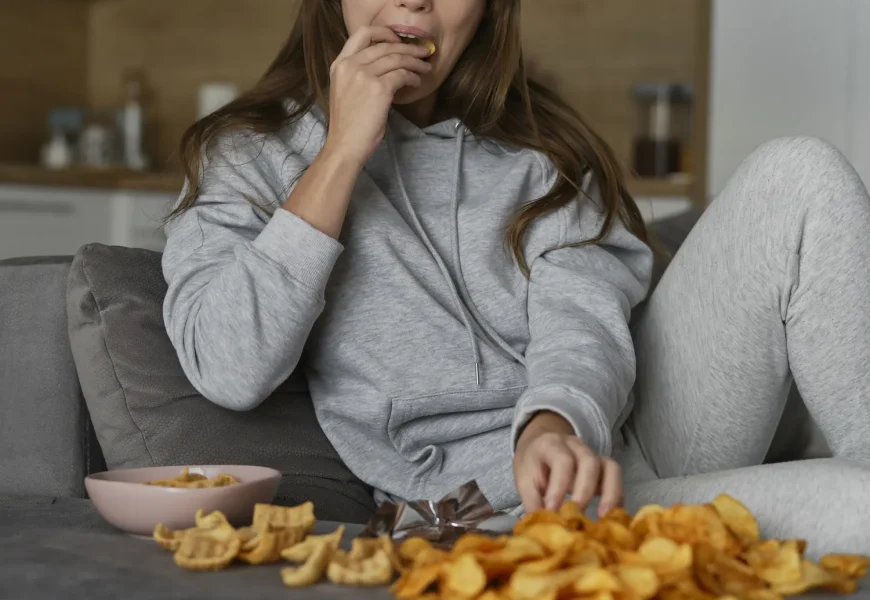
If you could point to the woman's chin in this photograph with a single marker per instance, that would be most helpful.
(409, 95)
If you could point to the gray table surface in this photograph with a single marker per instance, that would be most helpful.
(61, 548)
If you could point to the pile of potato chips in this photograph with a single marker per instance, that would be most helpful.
(277, 533)
(686, 552)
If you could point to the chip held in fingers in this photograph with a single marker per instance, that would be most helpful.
(408, 38)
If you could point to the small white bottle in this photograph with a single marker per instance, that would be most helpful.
(133, 124)
(57, 153)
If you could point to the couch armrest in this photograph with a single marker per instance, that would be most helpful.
(44, 427)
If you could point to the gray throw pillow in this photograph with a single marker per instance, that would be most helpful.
(145, 411)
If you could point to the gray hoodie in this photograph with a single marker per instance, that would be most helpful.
(424, 347)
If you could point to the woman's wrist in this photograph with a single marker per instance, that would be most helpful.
(338, 155)
(545, 422)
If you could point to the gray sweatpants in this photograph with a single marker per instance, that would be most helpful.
(771, 287)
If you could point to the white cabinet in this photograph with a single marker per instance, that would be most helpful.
(788, 67)
(36, 221)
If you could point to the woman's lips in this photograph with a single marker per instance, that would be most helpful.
(415, 31)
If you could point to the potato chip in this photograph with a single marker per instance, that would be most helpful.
(775, 561)
(613, 534)
(475, 543)
(591, 581)
(738, 519)
(641, 582)
(303, 550)
(618, 515)
(852, 565)
(363, 548)
(813, 576)
(266, 547)
(517, 550)
(414, 582)
(553, 537)
(212, 520)
(247, 536)
(684, 589)
(389, 549)
(588, 553)
(464, 577)
(722, 574)
(374, 569)
(544, 565)
(645, 521)
(284, 516)
(410, 548)
(207, 550)
(490, 595)
(573, 516)
(524, 585)
(168, 538)
(762, 594)
(698, 523)
(312, 570)
(538, 517)
(670, 561)
(431, 556)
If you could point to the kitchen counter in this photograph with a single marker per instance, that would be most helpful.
(85, 178)
(121, 179)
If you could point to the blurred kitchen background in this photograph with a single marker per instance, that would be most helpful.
(95, 94)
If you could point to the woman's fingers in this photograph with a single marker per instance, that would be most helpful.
(365, 37)
(586, 482)
(394, 62)
(530, 495)
(529, 475)
(562, 465)
(400, 78)
(378, 51)
(611, 486)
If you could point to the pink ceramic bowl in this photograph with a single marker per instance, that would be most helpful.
(124, 501)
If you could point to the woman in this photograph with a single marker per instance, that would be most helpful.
(456, 253)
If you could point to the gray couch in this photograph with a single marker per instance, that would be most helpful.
(88, 380)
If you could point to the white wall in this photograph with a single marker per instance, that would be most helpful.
(861, 134)
(788, 67)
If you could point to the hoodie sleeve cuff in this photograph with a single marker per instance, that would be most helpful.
(307, 254)
(583, 415)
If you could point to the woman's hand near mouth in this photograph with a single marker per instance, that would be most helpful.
(365, 77)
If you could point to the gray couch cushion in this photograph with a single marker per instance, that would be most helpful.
(42, 416)
(146, 412)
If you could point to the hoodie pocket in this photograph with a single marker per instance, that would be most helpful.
(422, 427)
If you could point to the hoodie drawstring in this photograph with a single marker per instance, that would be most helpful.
(457, 260)
(461, 297)
(445, 273)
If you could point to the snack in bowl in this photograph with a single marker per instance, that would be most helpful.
(195, 480)
(685, 552)
(122, 498)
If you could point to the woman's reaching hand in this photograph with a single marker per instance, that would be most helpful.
(551, 463)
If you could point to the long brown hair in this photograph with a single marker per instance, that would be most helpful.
(495, 101)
